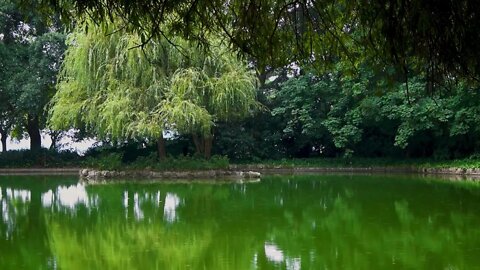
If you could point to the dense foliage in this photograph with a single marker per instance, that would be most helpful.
(42, 158)
(119, 94)
(365, 115)
(438, 36)
(31, 51)
(391, 79)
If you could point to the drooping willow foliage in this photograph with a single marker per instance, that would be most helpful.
(117, 91)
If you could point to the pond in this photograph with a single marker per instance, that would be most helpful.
(281, 222)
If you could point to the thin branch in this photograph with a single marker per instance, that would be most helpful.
(226, 32)
(157, 20)
(116, 31)
(277, 20)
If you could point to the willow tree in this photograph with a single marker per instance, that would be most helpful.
(118, 90)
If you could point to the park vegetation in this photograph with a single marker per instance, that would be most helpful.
(177, 82)
(122, 94)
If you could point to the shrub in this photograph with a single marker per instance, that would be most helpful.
(108, 161)
(42, 158)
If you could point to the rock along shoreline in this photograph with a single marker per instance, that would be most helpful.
(91, 175)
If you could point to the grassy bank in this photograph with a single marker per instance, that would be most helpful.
(182, 163)
(106, 161)
(116, 161)
(470, 163)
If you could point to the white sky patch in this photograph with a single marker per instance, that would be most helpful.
(157, 199)
(294, 69)
(10, 206)
(47, 199)
(125, 199)
(72, 196)
(79, 147)
(125, 203)
(138, 212)
(271, 79)
(18, 194)
(66, 143)
(273, 253)
(255, 261)
(5, 214)
(294, 264)
(69, 197)
(172, 201)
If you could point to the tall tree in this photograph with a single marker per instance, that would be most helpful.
(33, 50)
(121, 92)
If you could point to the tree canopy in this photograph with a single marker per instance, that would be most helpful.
(31, 51)
(338, 77)
(436, 36)
(121, 93)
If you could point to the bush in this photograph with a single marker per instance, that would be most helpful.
(42, 158)
(108, 161)
(113, 161)
(180, 163)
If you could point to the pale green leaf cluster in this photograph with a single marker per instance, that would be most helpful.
(117, 91)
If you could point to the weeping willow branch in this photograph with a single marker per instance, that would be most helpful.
(118, 93)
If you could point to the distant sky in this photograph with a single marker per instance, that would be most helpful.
(67, 143)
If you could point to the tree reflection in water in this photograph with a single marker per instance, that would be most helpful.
(301, 222)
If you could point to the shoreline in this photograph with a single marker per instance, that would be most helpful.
(379, 169)
(93, 175)
(239, 172)
(39, 171)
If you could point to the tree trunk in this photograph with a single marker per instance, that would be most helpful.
(4, 142)
(161, 149)
(262, 78)
(208, 141)
(199, 145)
(4, 130)
(53, 146)
(54, 135)
(203, 145)
(33, 129)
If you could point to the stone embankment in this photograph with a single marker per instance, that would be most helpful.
(90, 174)
(399, 169)
(39, 171)
(459, 171)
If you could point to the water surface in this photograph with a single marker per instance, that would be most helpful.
(282, 222)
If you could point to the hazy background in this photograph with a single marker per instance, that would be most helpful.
(66, 143)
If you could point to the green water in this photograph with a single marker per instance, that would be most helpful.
(287, 222)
